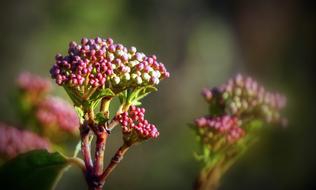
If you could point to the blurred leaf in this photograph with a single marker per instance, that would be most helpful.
(206, 153)
(33, 170)
(198, 157)
(77, 149)
(80, 113)
(255, 124)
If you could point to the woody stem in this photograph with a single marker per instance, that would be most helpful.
(114, 162)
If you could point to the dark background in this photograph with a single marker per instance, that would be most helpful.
(202, 43)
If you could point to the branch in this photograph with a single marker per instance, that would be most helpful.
(101, 135)
(85, 145)
(113, 124)
(114, 162)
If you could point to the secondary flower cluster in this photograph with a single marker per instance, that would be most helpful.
(14, 141)
(237, 102)
(51, 114)
(55, 112)
(33, 86)
(33, 83)
(134, 125)
(102, 63)
(226, 125)
(242, 96)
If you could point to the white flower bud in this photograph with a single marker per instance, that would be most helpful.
(116, 80)
(155, 80)
(233, 107)
(158, 74)
(139, 80)
(127, 69)
(238, 104)
(150, 69)
(238, 91)
(134, 76)
(119, 52)
(146, 76)
(113, 66)
(225, 95)
(133, 63)
(155, 74)
(110, 56)
(133, 50)
(127, 76)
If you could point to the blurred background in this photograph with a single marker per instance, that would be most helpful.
(202, 43)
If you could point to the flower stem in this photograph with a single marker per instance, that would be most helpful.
(85, 145)
(105, 104)
(114, 162)
(89, 93)
(99, 149)
(113, 124)
(123, 108)
(209, 179)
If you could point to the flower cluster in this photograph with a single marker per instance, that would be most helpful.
(55, 112)
(243, 96)
(235, 104)
(101, 63)
(33, 83)
(14, 141)
(222, 125)
(134, 125)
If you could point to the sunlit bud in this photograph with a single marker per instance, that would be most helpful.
(139, 80)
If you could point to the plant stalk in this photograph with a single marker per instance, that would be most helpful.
(85, 146)
(114, 162)
(101, 135)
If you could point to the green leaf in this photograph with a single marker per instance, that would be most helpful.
(73, 96)
(33, 170)
(100, 118)
(106, 92)
(136, 103)
(77, 149)
(255, 124)
(95, 99)
(145, 91)
(198, 157)
(80, 113)
(139, 93)
(123, 96)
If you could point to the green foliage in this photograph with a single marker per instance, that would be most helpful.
(76, 98)
(106, 92)
(33, 170)
(100, 118)
(133, 97)
(80, 113)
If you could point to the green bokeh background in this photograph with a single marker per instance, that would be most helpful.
(202, 43)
